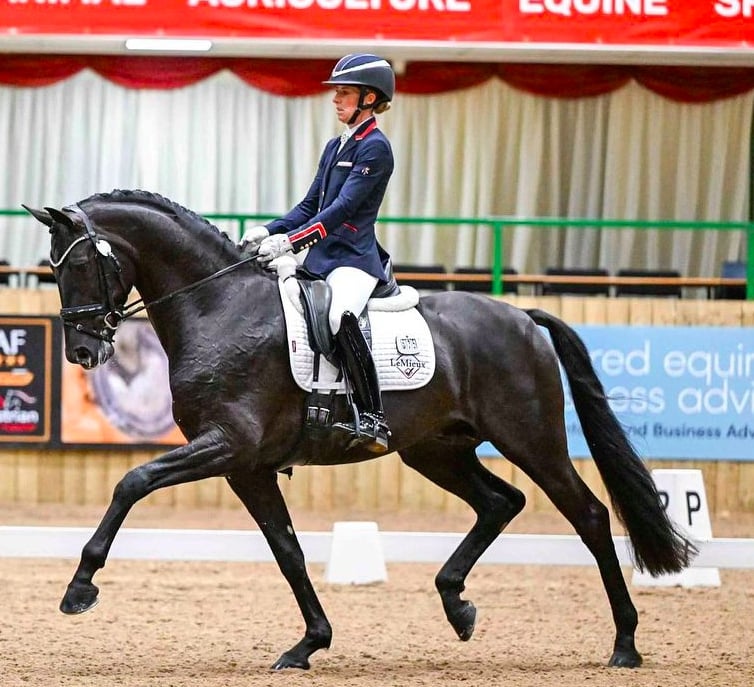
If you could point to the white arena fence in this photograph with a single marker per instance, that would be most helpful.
(398, 547)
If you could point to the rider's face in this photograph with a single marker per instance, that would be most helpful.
(346, 100)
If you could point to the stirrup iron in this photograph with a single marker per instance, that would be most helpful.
(369, 431)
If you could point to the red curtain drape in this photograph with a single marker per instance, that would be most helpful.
(303, 77)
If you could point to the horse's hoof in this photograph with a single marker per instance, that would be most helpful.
(288, 660)
(464, 620)
(79, 598)
(625, 659)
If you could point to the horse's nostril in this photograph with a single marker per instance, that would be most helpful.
(83, 357)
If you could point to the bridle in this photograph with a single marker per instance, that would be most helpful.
(108, 266)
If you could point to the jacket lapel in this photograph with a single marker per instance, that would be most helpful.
(329, 164)
(364, 130)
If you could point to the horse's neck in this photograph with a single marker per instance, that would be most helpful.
(192, 294)
(168, 261)
(171, 263)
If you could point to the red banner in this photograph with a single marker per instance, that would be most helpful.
(697, 23)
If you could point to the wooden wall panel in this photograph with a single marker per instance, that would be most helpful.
(88, 477)
(27, 477)
(8, 476)
(745, 488)
(77, 478)
(321, 489)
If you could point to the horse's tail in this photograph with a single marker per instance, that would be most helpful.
(657, 544)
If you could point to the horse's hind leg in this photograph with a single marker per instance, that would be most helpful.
(260, 493)
(495, 502)
(553, 471)
(591, 520)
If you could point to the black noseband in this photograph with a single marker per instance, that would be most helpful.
(70, 317)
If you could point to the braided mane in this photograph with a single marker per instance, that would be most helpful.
(186, 218)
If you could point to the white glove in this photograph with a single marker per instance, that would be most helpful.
(274, 246)
(253, 236)
(285, 266)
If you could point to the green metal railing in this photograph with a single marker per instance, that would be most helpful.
(498, 226)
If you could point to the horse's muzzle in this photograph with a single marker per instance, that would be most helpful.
(88, 358)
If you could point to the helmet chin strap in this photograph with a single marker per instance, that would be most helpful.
(363, 92)
(354, 116)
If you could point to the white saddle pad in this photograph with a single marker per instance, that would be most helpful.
(402, 345)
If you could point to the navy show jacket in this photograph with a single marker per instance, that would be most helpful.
(336, 218)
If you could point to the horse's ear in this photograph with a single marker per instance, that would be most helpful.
(60, 217)
(41, 215)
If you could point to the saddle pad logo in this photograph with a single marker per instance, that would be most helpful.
(407, 361)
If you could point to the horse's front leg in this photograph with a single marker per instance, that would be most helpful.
(206, 456)
(261, 495)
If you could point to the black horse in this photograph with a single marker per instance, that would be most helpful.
(220, 321)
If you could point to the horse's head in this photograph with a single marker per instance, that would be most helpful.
(90, 282)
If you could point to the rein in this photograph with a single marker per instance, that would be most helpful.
(134, 307)
(113, 314)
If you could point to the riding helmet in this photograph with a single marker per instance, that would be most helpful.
(363, 69)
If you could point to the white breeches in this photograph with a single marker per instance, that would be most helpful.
(351, 288)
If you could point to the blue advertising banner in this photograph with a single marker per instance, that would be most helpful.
(680, 392)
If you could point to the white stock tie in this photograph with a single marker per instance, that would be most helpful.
(343, 139)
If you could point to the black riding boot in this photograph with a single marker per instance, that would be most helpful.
(369, 427)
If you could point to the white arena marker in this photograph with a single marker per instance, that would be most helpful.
(685, 500)
(356, 555)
